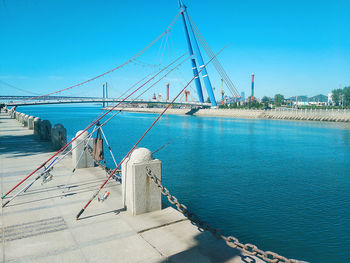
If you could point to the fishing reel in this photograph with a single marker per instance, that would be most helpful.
(47, 177)
(103, 197)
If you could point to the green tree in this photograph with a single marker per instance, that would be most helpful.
(208, 100)
(278, 100)
(337, 96)
(346, 92)
(266, 101)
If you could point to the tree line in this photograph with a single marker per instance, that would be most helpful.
(341, 97)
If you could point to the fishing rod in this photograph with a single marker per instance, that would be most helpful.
(160, 148)
(148, 88)
(46, 171)
(80, 157)
(88, 127)
(160, 115)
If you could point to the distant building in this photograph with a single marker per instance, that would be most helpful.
(242, 96)
(304, 100)
(330, 98)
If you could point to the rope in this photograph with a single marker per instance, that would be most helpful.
(120, 66)
(143, 135)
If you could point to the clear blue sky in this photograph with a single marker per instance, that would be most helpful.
(293, 47)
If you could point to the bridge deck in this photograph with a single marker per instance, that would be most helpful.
(98, 100)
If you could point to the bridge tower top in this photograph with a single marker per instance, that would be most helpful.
(196, 57)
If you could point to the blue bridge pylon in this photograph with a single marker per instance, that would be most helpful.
(197, 58)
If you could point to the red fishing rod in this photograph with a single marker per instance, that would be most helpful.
(89, 126)
(143, 135)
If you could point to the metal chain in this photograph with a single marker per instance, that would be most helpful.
(231, 241)
(116, 176)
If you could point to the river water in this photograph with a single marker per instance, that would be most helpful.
(281, 185)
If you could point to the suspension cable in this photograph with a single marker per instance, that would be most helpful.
(120, 66)
(89, 126)
(143, 135)
(216, 62)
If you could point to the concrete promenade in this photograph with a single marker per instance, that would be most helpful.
(39, 225)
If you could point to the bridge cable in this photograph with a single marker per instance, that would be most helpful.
(88, 127)
(145, 91)
(120, 66)
(14, 87)
(143, 135)
(47, 170)
(216, 62)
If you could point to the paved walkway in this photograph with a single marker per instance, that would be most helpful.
(39, 225)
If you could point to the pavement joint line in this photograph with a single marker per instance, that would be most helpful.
(163, 225)
(154, 247)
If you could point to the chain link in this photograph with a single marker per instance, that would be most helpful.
(231, 241)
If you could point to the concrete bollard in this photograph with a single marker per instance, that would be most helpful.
(20, 117)
(36, 126)
(45, 130)
(81, 158)
(31, 122)
(140, 194)
(25, 120)
(58, 136)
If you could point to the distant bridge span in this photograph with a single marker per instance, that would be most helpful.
(96, 100)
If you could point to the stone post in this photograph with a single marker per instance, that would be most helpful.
(78, 146)
(139, 193)
(22, 118)
(25, 120)
(19, 117)
(36, 126)
(58, 136)
(31, 122)
(45, 130)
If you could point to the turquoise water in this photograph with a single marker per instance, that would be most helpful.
(281, 185)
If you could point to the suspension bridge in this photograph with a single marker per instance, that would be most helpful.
(133, 198)
(199, 69)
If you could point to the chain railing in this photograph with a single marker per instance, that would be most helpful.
(231, 241)
(116, 175)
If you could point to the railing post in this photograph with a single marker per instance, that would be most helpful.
(81, 158)
(36, 125)
(58, 136)
(139, 193)
(31, 123)
(45, 130)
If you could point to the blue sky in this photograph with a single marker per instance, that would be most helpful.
(293, 47)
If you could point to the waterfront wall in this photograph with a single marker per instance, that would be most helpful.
(56, 135)
(335, 115)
